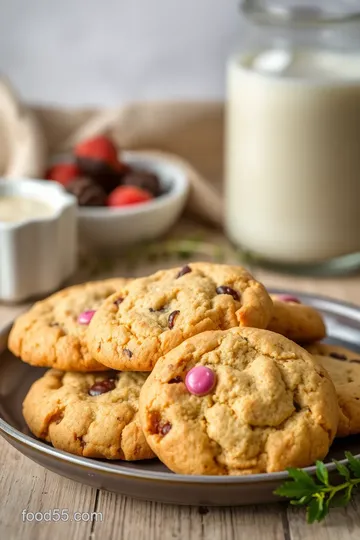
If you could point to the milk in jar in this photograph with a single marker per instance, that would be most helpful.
(293, 152)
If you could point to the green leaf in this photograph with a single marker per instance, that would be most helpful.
(314, 510)
(354, 464)
(292, 489)
(324, 509)
(342, 498)
(302, 485)
(303, 501)
(302, 477)
(342, 470)
(322, 473)
(304, 490)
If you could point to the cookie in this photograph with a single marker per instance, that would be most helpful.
(343, 367)
(150, 316)
(88, 414)
(238, 401)
(296, 321)
(333, 351)
(52, 333)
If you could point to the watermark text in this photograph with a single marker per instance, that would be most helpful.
(60, 515)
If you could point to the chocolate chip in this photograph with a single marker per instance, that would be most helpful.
(101, 387)
(128, 352)
(81, 441)
(172, 317)
(297, 407)
(58, 417)
(165, 428)
(355, 360)
(338, 356)
(152, 310)
(224, 289)
(54, 324)
(185, 270)
(118, 301)
(143, 180)
(87, 192)
(94, 167)
(175, 380)
(157, 426)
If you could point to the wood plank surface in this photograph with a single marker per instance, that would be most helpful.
(25, 485)
(154, 521)
(341, 524)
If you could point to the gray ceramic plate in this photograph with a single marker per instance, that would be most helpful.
(151, 480)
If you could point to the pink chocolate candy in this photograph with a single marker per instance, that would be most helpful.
(86, 316)
(200, 380)
(288, 298)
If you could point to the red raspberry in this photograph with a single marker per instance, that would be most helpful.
(125, 195)
(63, 173)
(97, 149)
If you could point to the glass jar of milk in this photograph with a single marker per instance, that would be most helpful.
(293, 134)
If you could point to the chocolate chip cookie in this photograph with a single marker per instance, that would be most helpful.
(52, 333)
(238, 401)
(343, 367)
(88, 414)
(333, 351)
(150, 316)
(296, 321)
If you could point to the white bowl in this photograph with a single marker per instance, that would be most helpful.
(110, 228)
(37, 255)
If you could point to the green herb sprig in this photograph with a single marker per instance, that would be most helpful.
(319, 497)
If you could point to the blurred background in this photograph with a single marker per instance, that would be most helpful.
(86, 52)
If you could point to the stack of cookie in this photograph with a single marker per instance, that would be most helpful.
(227, 392)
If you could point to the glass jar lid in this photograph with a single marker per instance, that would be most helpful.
(305, 12)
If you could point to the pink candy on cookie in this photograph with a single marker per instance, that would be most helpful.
(86, 316)
(287, 298)
(200, 380)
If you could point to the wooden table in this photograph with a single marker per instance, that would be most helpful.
(25, 485)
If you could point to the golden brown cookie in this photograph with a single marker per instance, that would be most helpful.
(150, 316)
(50, 333)
(296, 321)
(88, 414)
(333, 351)
(237, 402)
(343, 367)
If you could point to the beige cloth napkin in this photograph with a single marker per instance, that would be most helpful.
(189, 133)
(23, 151)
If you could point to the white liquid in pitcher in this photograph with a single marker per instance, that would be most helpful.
(293, 155)
(14, 208)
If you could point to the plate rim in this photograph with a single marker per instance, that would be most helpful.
(116, 469)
